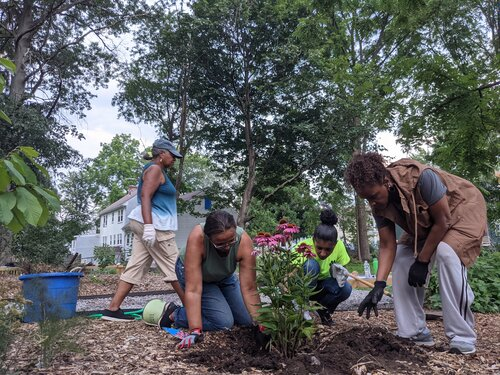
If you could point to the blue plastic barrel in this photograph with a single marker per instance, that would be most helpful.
(51, 295)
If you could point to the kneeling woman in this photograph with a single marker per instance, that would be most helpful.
(215, 299)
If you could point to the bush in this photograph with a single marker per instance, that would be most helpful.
(105, 255)
(10, 314)
(484, 279)
(281, 278)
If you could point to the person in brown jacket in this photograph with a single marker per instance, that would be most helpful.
(444, 220)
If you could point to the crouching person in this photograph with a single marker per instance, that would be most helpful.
(327, 249)
(215, 298)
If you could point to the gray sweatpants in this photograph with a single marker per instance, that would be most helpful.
(456, 295)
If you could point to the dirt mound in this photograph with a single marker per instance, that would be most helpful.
(372, 347)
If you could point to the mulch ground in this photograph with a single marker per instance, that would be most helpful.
(353, 345)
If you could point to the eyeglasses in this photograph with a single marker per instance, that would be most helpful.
(225, 245)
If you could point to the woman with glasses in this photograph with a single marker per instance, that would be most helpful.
(327, 249)
(214, 297)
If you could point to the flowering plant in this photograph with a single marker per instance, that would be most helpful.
(281, 278)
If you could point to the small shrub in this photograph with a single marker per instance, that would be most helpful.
(484, 279)
(281, 278)
(10, 314)
(105, 255)
(56, 336)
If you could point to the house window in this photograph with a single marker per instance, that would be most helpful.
(128, 239)
(112, 217)
(105, 221)
(114, 239)
(104, 240)
(119, 241)
(120, 216)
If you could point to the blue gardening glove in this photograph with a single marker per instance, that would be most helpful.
(262, 339)
(194, 336)
(417, 275)
(371, 300)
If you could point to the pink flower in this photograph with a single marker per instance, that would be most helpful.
(265, 239)
(291, 228)
(256, 252)
(280, 238)
(309, 254)
(303, 247)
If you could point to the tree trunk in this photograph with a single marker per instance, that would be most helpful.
(248, 193)
(363, 245)
(182, 129)
(5, 246)
(22, 35)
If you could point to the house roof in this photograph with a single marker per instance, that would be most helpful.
(132, 193)
(119, 203)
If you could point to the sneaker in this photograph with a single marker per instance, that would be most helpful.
(326, 317)
(460, 347)
(423, 339)
(165, 320)
(116, 316)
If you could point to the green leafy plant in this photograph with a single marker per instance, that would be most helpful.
(22, 200)
(281, 279)
(105, 255)
(55, 336)
(10, 314)
(484, 279)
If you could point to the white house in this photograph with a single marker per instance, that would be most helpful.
(114, 231)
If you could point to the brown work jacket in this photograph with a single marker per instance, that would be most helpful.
(467, 208)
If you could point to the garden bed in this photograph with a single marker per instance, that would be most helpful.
(353, 345)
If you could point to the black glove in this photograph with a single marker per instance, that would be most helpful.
(195, 336)
(418, 273)
(262, 339)
(371, 300)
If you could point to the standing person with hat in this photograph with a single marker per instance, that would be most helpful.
(153, 222)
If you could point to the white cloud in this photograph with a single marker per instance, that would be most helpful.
(102, 124)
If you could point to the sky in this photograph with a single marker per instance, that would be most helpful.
(102, 124)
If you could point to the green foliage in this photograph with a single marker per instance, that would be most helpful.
(294, 202)
(105, 255)
(10, 314)
(22, 200)
(56, 336)
(48, 244)
(280, 277)
(116, 167)
(483, 278)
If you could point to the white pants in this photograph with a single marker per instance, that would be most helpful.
(456, 295)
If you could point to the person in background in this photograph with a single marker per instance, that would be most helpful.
(153, 222)
(444, 220)
(215, 297)
(327, 249)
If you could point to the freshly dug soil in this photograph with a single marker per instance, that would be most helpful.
(372, 347)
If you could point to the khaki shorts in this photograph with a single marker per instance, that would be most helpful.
(164, 252)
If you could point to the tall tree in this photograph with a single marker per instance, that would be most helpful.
(156, 83)
(116, 167)
(63, 51)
